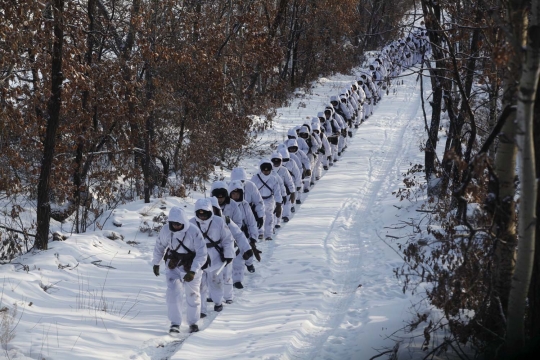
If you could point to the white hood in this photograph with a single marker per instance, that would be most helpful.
(284, 153)
(291, 142)
(218, 185)
(177, 214)
(238, 173)
(236, 184)
(204, 204)
(292, 132)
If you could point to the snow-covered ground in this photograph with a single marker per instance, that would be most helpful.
(325, 288)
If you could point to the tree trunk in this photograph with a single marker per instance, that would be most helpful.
(515, 329)
(53, 121)
(432, 15)
(501, 187)
(534, 287)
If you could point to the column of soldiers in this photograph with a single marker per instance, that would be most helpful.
(208, 252)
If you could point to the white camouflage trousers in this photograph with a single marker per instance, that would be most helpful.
(211, 284)
(267, 230)
(176, 288)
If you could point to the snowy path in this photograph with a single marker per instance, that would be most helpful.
(305, 297)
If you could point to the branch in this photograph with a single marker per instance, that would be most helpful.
(236, 28)
(17, 231)
(8, 73)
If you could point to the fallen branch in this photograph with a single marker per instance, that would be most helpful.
(98, 264)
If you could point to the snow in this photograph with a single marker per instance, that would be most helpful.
(325, 288)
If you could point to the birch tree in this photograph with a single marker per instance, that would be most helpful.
(515, 329)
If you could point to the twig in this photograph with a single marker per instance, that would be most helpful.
(77, 339)
(98, 264)
(381, 354)
(393, 351)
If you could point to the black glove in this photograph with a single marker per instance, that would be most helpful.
(156, 270)
(322, 151)
(256, 252)
(350, 133)
(247, 254)
(228, 261)
(293, 198)
(278, 209)
(260, 222)
(298, 188)
(308, 172)
(284, 199)
(190, 275)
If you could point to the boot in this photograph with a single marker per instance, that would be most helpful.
(218, 308)
(203, 315)
(175, 329)
(228, 301)
(250, 268)
(238, 284)
(193, 328)
(285, 219)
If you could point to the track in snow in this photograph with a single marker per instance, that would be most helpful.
(348, 239)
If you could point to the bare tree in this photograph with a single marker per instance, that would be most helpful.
(53, 122)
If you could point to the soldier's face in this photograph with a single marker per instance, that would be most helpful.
(220, 199)
(235, 195)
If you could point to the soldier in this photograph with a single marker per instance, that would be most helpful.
(186, 255)
(322, 159)
(251, 194)
(289, 188)
(360, 97)
(305, 165)
(341, 120)
(332, 131)
(228, 208)
(220, 247)
(244, 252)
(269, 187)
(296, 175)
(313, 149)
